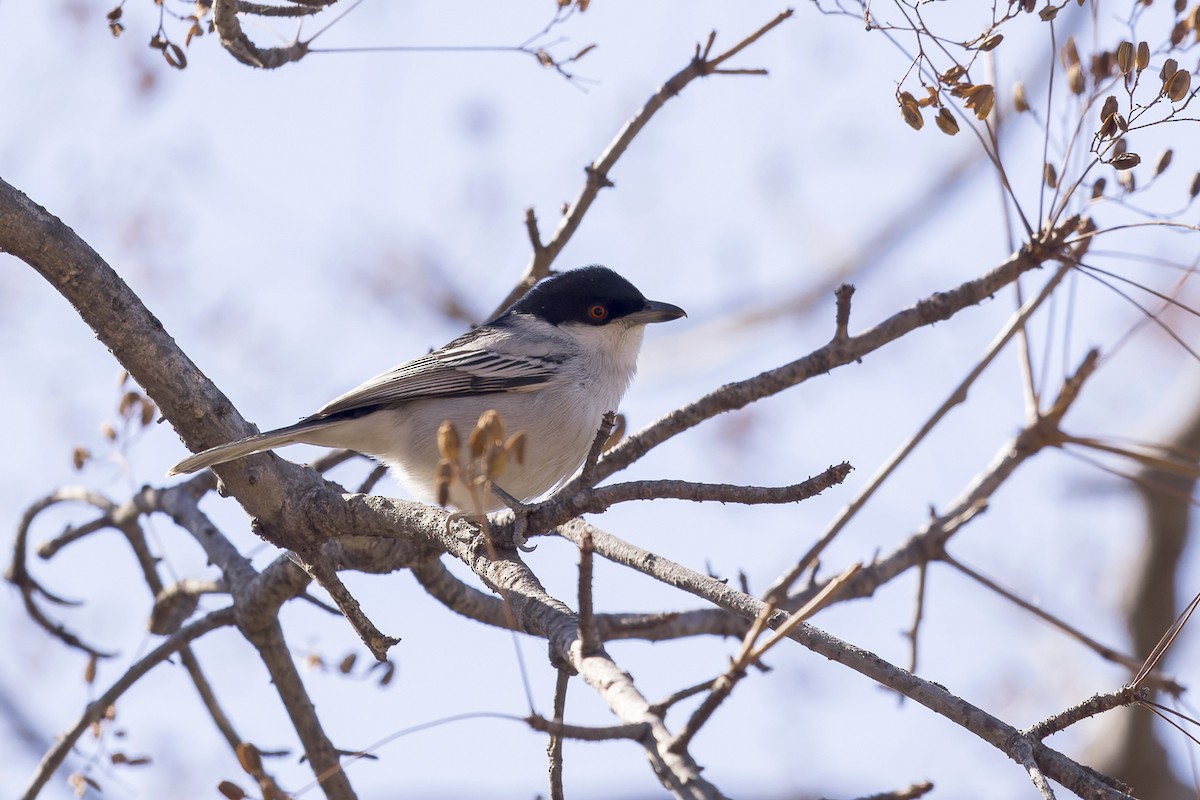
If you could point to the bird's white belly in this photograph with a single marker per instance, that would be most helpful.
(560, 427)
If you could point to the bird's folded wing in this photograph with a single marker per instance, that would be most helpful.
(451, 372)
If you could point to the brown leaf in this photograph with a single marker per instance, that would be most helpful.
(347, 664)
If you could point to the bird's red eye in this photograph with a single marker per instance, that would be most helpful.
(597, 312)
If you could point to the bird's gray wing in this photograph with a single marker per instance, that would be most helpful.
(471, 364)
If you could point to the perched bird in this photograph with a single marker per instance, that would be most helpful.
(552, 365)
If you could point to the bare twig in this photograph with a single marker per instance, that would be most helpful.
(554, 748)
(589, 639)
(97, 708)
(597, 172)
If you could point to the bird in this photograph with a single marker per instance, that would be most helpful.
(552, 365)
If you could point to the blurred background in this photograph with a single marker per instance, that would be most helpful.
(300, 229)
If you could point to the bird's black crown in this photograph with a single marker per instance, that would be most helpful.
(592, 295)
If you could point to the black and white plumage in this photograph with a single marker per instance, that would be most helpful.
(552, 365)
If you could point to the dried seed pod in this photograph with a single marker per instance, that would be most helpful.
(946, 122)
(1120, 147)
(515, 446)
(448, 441)
(1020, 104)
(912, 115)
(1122, 123)
(231, 790)
(250, 759)
(1126, 161)
(981, 98)
(1075, 79)
(1069, 53)
(1051, 175)
(89, 671)
(1169, 68)
(443, 476)
(991, 42)
(1048, 13)
(1143, 56)
(1029, 6)
(1164, 161)
(952, 75)
(1102, 63)
(1125, 178)
(79, 457)
(1098, 188)
(1125, 57)
(488, 430)
(1195, 187)
(1179, 33)
(1109, 108)
(1180, 5)
(108, 432)
(1179, 85)
(347, 664)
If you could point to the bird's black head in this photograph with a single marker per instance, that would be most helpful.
(592, 296)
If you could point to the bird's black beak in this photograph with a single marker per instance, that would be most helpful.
(655, 311)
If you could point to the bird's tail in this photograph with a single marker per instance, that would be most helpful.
(258, 443)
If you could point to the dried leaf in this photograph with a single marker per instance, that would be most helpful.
(114, 15)
(991, 42)
(79, 457)
(1098, 188)
(1143, 56)
(89, 671)
(108, 432)
(347, 663)
(1195, 187)
(1048, 13)
(1051, 175)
